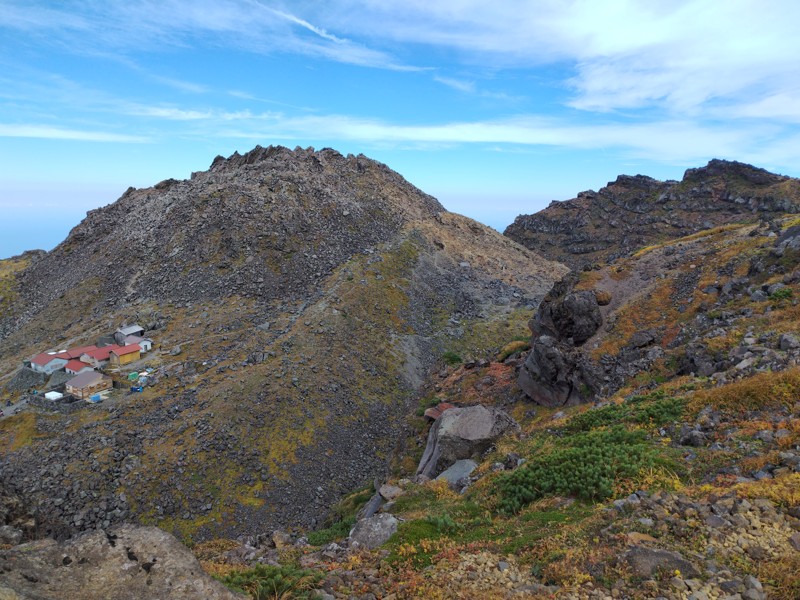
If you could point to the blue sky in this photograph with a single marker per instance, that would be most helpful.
(494, 108)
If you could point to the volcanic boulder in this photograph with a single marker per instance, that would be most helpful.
(556, 372)
(462, 433)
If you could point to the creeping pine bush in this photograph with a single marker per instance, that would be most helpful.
(337, 531)
(267, 582)
(452, 358)
(654, 409)
(586, 466)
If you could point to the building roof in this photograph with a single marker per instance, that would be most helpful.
(129, 349)
(86, 379)
(45, 358)
(130, 329)
(76, 365)
(102, 353)
(133, 339)
(76, 352)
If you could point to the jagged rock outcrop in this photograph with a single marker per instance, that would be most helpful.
(556, 372)
(633, 212)
(124, 563)
(462, 433)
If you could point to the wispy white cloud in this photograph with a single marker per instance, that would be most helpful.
(58, 133)
(662, 140)
(172, 113)
(457, 84)
(136, 25)
(680, 56)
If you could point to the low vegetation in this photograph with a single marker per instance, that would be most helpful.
(267, 582)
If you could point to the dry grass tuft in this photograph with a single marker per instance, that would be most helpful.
(781, 577)
(761, 391)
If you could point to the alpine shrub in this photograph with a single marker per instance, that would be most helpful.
(586, 467)
(266, 582)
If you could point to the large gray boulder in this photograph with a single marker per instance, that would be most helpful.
(373, 532)
(126, 563)
(462, 433)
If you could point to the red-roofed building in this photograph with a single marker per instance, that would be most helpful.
(76, 352)
(47, 362)
(76, 367)
(98, 357)
(126, 354)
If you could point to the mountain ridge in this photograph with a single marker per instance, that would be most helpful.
(632, 212)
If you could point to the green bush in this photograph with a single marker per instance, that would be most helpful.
(452, 358)
(586, 466)
(444, 523)
(781, 294)
(267, 582)
(653, 409)
(337, 531)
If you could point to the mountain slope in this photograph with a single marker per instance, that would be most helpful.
(633, 212)
(310, 293)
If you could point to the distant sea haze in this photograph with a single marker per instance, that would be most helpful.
(21, 231)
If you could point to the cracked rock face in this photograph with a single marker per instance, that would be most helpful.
(126, 562)
(556, 373)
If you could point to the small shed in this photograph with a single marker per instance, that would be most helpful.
(125, 355)
(53, 396)
(130, 330)
(146, 344)
(88, 383)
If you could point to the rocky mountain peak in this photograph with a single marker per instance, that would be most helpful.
(732, 168)
(269, 223)
(636, 211)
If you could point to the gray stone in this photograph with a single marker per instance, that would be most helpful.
(176, 350)
(458, 470)
(640, 339)
(390, 492)
(462, 433)
(646, 562)
(794, 541)
(788, 341)
(751, 583)
(373, 532)
(693, 438)
(765, 435)
(715, 521)
(10, 535)
(678, 584)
